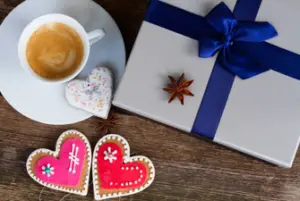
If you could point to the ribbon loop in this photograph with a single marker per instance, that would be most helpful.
(254, 31)
(221, 19)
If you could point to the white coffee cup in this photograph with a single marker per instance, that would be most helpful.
(87, 38)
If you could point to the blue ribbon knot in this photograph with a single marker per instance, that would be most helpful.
(227, 32)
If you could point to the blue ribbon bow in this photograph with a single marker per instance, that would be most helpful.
(227, 32)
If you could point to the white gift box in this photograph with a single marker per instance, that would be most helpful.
(262, 114)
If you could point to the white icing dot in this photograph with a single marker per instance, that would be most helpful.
(127, 168)
(130, 183)
(135, 182)
(141, 176)
(126, 184)
(132, 168)
(137, 168)
(122, 184)
(111, 183)
(141, 171)
(139, 180)
(122, 168)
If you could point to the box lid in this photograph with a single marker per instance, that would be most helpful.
(262, 113)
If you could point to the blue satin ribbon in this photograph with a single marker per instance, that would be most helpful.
(241, 47)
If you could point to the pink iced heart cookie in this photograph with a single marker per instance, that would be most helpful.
(115, 173)
(93, 95)
(65, 169)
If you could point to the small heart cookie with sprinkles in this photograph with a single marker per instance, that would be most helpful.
(93, 95)
(115, 173)
(65, 169)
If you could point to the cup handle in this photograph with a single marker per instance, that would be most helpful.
(95, 36)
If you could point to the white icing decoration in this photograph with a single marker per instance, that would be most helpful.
(48, 170)
(110, 155)
(74, 160)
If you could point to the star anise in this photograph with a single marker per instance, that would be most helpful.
(105, 125)
(179, 88)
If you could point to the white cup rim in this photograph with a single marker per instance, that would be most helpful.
(38, 22)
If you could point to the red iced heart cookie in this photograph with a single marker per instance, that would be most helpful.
(115, 173)
(67, 168)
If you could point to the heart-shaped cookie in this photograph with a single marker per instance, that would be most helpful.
(93, 95)
(65, 169)
(115, 173)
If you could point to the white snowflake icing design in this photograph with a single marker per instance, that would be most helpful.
(48, 170)
(110, 155)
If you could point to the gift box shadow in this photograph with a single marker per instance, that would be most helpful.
(199, 137)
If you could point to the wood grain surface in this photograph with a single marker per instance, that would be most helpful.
(188, 168)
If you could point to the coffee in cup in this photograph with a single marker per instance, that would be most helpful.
(54, 51)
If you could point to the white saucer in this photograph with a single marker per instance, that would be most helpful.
(43, 102)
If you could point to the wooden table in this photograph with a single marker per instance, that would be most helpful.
(188, 169)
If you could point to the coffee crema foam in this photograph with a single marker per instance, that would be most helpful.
(54, 51)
